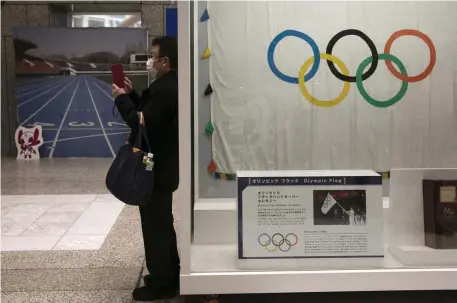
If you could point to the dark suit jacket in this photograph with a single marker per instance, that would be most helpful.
(159, 104)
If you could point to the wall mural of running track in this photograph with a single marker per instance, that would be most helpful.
(63, 83)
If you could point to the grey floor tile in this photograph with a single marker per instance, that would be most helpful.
(99, 296)
(98, 173)
(56, 217)
(54, 176)
(18, 244)
(19, 181)
(7, 208)
(30, 188)
(47, 229)
(122, 248)
(95, 186)
(68, 177)
(71, 279)
(14, 228)
(63, 187)
(25, 213)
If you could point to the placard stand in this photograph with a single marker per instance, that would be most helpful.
(294, 220)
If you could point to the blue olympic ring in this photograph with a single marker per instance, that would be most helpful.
(303, 36)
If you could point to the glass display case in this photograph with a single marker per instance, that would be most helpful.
(282, 195)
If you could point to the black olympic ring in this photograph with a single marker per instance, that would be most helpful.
(267, 242)
(278, 243)
(275, 243)
(371, 45)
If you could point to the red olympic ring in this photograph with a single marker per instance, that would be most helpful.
(423, 37)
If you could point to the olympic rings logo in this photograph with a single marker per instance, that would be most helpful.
(278, 241)
(304, 75)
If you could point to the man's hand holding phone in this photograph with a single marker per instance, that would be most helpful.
(117, 91)
(127, 89)
(128, 85)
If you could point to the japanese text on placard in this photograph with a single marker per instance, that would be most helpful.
(276, 208)
(297, 181)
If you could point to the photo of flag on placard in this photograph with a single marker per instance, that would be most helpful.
(340, 207)
(328, 203)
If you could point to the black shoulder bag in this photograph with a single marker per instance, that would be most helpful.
(131, 175)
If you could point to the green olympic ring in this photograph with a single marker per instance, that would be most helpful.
(401, 93)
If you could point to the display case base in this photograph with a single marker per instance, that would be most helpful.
(217, 258)
(215, 221)
(215, 271)
(251, 282)
(311, 264)
(424, 256)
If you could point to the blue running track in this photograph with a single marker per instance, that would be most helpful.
(76, 113)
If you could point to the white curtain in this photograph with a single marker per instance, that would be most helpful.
(264, 123)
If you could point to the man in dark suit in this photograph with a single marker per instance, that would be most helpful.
(159, 105)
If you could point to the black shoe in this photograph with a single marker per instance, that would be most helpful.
(148, 281)
(147, 294)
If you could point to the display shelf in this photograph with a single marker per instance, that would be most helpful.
(220, 258)
(220, 214)
(214, 270)
(424, 256)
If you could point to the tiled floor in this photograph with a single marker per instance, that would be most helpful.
(64, 238)
(57, 222)
(36, 215)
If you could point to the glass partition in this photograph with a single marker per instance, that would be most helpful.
(106, 20)
(301, 124)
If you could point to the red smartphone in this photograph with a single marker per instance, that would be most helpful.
(118, 75)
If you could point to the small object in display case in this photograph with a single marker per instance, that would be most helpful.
(440, 213)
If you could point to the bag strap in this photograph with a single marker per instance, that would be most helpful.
(142, 134)
(141, 118)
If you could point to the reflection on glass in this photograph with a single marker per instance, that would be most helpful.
(101, 20)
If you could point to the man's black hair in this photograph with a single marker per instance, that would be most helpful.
(168, 47)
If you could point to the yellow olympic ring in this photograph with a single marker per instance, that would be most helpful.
(307, 95)
(270, 250)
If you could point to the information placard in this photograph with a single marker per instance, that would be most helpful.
(309, 214)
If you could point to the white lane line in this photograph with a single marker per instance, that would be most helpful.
(102, 82)
(33, 98)
(111, 97)
(38, 88)
(63, 120)
(88, 136)
(100, 121)
(49, 101)
(34, 84)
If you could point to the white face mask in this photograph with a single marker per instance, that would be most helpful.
(150, 68)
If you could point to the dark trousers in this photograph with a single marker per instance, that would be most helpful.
(162, 258)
